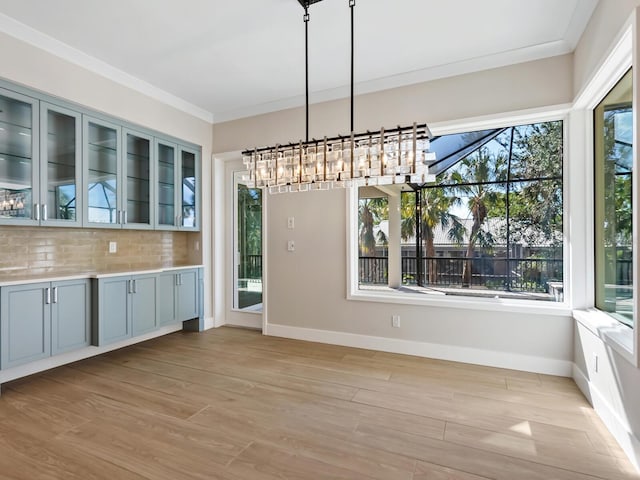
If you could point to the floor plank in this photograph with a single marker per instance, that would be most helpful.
(231, 404)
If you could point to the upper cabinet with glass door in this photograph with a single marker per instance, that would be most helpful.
(189, 214)
(177, 187)
(137, 191)
(60, 172)
(102, 174)
(19, 168)
(166, 183)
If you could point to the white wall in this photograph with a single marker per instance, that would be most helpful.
(35, 68)
(609, 379)
(307, 289)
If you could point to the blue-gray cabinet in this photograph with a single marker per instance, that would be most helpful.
(178, 296)
(19, 164)
(42, 319)
(60, 201)
(126, 306)
(187, 295)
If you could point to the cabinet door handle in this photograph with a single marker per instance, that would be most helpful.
(55, 294)
(135, 286)
(47, 299)
(129, 286)
(36, 211)
(124, 219)
(45, 217)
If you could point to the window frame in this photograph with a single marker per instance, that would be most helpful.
(622, 55)
(563, 309)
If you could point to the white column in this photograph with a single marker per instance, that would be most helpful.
(395, 260)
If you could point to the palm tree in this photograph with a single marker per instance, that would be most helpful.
(436, 204)
(472, 181)
(371, 212)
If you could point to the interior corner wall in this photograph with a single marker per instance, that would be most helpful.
(307, 288)
(604, 26)
(33, 67)
(610, 381)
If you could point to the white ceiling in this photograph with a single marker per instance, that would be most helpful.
(232, 59)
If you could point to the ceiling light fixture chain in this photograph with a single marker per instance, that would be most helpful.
(392, 156)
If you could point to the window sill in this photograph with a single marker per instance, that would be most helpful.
(461, 302)
(613, 333)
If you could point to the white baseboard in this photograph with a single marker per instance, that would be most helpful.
(616, 425)
(254, 321)
(454, 353)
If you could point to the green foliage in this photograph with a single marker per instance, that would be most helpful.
(371, 211)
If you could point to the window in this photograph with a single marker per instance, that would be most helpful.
(613, 140)
(490, 225)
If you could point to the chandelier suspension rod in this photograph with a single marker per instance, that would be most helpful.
(306, 67)
(352, 4)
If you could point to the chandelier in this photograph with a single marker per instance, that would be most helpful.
(396, 155)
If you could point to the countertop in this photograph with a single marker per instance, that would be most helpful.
(18, 279)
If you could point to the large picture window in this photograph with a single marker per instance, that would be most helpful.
(490, 225)
(613, 141)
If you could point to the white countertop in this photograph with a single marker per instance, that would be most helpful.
(7, 280)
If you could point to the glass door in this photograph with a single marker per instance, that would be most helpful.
(247, 246)
(60, 174)
(167, 171)
(189, 195)
(102, 173)
(137, 198)
(19, 202)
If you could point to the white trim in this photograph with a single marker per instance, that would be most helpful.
(528, 307)
(520, 117)
(500, 120)
(513, 361)
(249, 321)
(618, 60)
(209, 323)
(81, 354)
(29, 35)
(614, 423)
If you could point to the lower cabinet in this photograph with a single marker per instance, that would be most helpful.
(178, 296)
(42, 319)
(125, 307)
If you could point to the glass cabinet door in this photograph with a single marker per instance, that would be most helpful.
(60, 173)
(167, 159)
(137, 189)
(189, 194)
(18, 159)
(102, 173)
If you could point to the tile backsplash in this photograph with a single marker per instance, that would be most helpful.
(41, 250)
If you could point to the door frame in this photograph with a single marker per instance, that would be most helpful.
(234, 316)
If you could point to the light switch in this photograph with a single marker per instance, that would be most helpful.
(291, 223)
(291, 246)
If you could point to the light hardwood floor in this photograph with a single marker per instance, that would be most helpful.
(231, 404)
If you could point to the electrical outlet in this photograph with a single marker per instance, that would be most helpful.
(113, 247)
(291, 246)
(395, 321)
(291, 223)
